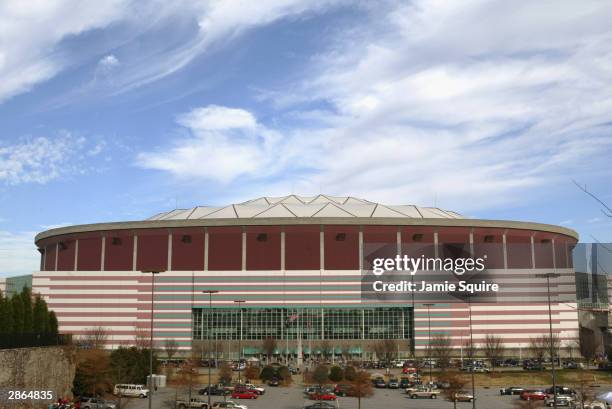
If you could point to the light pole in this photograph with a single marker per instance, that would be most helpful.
(429, 340)
(472, 353)
(153, 273)
(548, 276)
(210, 293)
(240, 302)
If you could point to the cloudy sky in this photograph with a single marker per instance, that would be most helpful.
(116, 110)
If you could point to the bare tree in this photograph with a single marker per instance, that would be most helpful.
(582, 387)
(95, 338)
(606, 209)
(141, 337)
(325, 347)
(455, 385)
(361, 386)
(537, 347)
(553, 343)
(494, 349)
(441, 350)
(171, 347)
(470, 350)
(225, 373)
(269, 346)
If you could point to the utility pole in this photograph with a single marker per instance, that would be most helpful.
(210, 293)
(548, 276)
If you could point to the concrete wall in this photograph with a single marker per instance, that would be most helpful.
(49, 368)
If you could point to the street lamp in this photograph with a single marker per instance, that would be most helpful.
(210, 293)
(548, 276)
(429, 340)
(472, 353)
(240, 302)
(153, 273)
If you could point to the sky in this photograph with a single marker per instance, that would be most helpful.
(118, 110)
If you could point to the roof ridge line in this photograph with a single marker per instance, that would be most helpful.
(190, 213)
(418, 211)
(289, 210)
(373, 210)
(215, 211)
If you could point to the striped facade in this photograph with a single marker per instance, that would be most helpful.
(90, 275)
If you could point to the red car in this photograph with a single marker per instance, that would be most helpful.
(533, 395)
(322, 396)
(244, 395)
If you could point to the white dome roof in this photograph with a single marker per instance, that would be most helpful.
(294, 206)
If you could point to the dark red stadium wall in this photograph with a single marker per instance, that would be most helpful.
(489, 243)
(50, 253)
(341, 247)
(119, 250)
(518, 247)
(302, 247)
(90, 252)
(454, 242)
(225, 248)
(263, 250)
(152, 251)
(188, 249)
(378, 242)
(543, 250)
(66, 250)
(418, 241)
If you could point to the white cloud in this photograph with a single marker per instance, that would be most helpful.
(41, 159)
(475, 105)
(18, 253)
(109, 61)
(31, 31)
(217, 118)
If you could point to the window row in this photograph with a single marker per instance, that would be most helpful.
(298, 247)
(302, 323)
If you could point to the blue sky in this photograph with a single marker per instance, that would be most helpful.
(118, 110)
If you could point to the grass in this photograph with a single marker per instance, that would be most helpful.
(539, 378)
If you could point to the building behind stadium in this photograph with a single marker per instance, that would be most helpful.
(297, 264)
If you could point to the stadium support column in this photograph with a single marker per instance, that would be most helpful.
(505, 248)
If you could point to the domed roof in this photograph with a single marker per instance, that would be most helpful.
(305, 207)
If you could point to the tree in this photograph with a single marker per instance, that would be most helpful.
(142, 337)
(53, 325)
(17, 305)
(26, 300)
(537, 347)
(361, 386)
(285, 375)
(441, 350)
(6, 316)
(225, 374)
(493, 348)
(269, 346)
(588, 344)
(470, 350)
(350, 373)
(92, 373)
(171, 348)
(40, 321)
(251, 372)
(326, 348)
(553, 343)
(320, 375)
(267, 373)
(95, 338)
(133, 364)
(455, 385)
(335, 374)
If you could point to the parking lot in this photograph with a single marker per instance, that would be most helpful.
(293, 398)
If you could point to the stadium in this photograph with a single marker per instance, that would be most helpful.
(295, 266)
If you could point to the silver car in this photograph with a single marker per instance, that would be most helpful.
(95, 403)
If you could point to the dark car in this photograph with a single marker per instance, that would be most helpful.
(393, 383)
(273, 382)
(321, 405)
(561, 390)
(215, 390)
(511, 390)
(343, 389)
(570, 365)
(404, 383)
(380, 383)
(533, 366)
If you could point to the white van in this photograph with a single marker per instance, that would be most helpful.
(131, 390)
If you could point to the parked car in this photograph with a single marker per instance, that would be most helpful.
(131, 390)
(380, 383)
(562, 401)
(424, 393)
(404, 383)
(321, 405)
(462, 396)
(244, 394)
(531, 394)
(228, 405)
(533, 366)
(561, 390)
(511, 390)
(570, 365)
(322, 396)
(194, 403)
(96, 403)
(273, 382)
(215, 390)
(260, 390)
(393, 383)
(343, 390)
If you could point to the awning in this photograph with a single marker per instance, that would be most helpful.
(355, 350)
